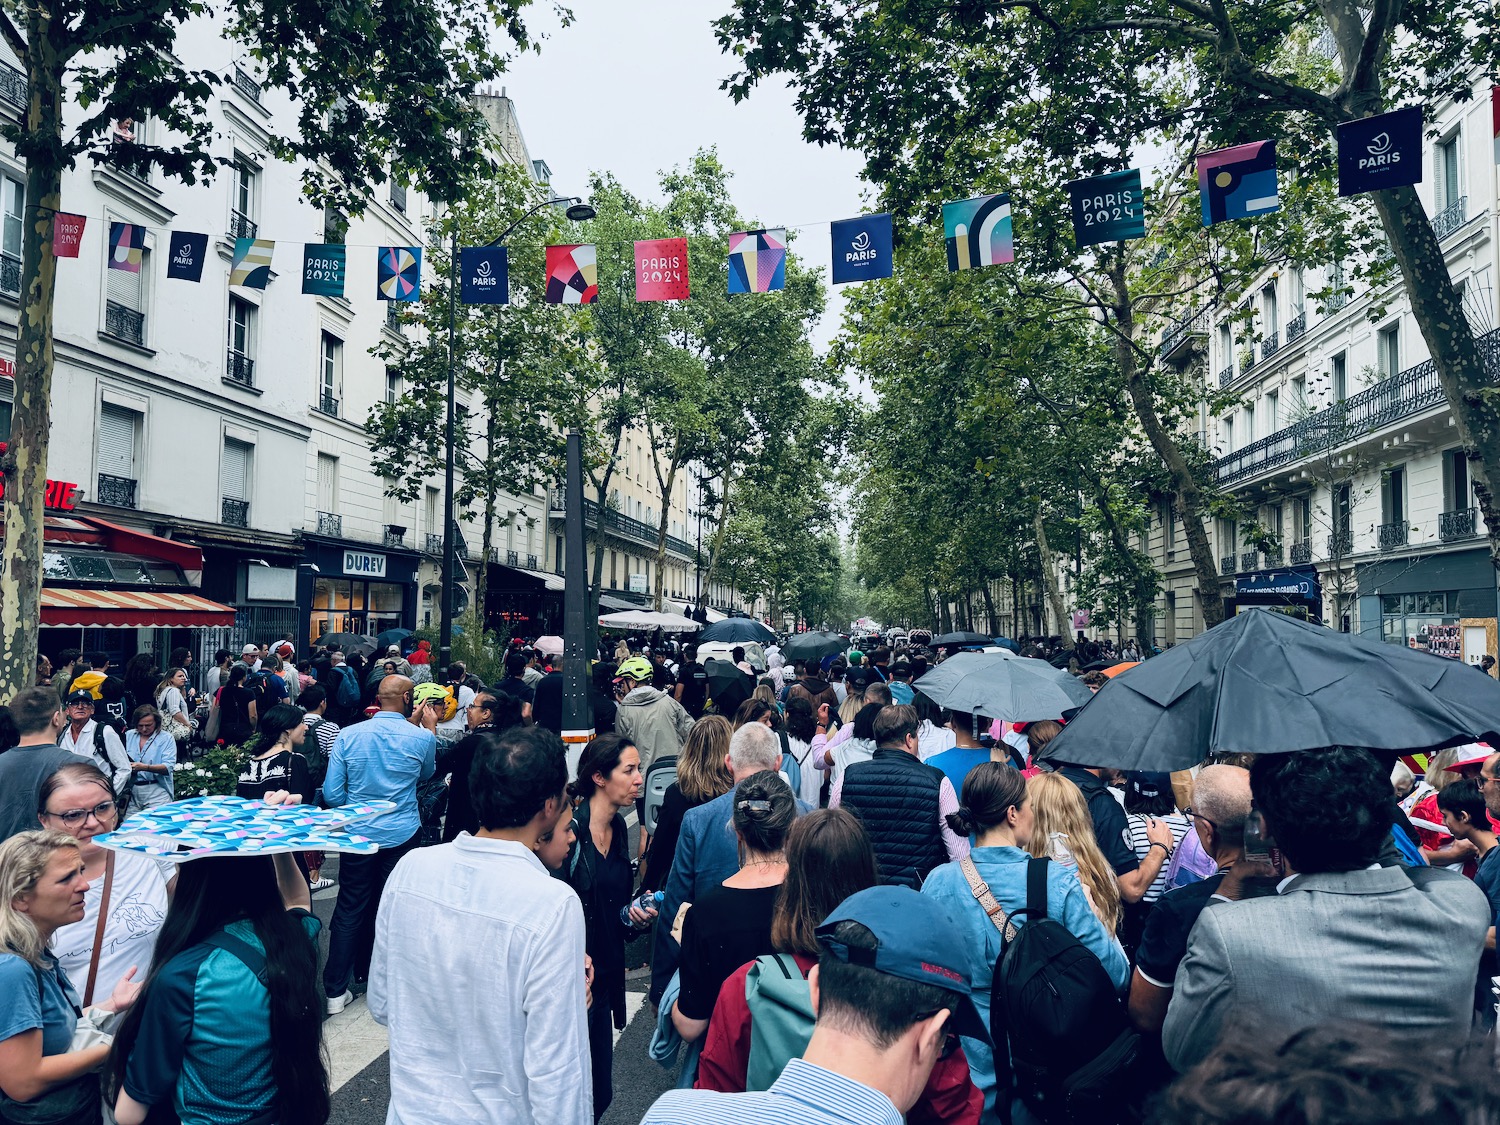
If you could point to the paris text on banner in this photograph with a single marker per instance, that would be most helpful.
(978, 232)
(661, 269)
(861, 248)
(323, 268)
(484, 275)
(185, 254)
(1238, 182)
(67, 234)
(1108, 208)
(1383, 151)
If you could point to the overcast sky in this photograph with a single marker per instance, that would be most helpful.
(634, 88)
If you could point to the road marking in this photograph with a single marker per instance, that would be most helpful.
(354, 1041)
(634, 1002)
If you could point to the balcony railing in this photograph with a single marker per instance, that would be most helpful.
(124, 324)
(434, 543)
(513, 558)
(246, 85)
(1226, 565)
(622, 525)
(327, 404)
(242, 225)
(1226, 376)
(234, 513)
(531, 562)
(1340, 543)
(1249, 560)
(117, 492)
(331, 523)
(1409, 392)
(1338, 299)
(239, 368)
(1247, 361)
(1270, 345)
(1391, 535)
(1462, 523)
(1301, 552)
(1275, 556)
(1296, 328)
(10, 275)
(393, 538)
(1451, 217)
(1186, 328)
(13, 87)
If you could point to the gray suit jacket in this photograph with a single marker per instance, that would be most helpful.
(1393, 946)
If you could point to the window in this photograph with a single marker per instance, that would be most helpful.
(117, 444)
(1405, 618)
(1449, 186)
(1269, 311)
(1388, 350)
(240, 363)
(1338, 376)
(1297, 290)
(1343, 512)
(1297, 398)
(1249, 430)
(1457, 491)
(125, 302)
(330, 373)
(1169, 527)
(430, 516)
(1228, 537)
(12, 208)
(614, 559)
(1275, 515)
(1272, 411)
(392, 385)
(328, 483)
(335, 225)
(1302, 515)
(1393, 495)
(235, 483)
(243, 209)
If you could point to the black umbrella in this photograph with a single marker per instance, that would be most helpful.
(1266, 683)
(814, 645)
(1002, 686)
(348, 642)
(737, 630)
(961, 639)
(728, 686)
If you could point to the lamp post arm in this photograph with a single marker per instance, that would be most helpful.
(500, 241)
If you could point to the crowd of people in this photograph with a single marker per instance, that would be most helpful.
(860, 907)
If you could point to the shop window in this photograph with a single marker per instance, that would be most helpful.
(1403, 617)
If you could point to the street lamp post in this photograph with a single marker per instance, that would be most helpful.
(578, 211)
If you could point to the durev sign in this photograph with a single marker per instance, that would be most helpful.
(363, 564)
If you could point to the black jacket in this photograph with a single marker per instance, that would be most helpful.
(896, 797)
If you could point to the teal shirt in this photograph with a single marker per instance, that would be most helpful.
(205, 1036)
(1004, 869)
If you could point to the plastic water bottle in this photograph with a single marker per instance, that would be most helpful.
(1057, 847)
(646, 901)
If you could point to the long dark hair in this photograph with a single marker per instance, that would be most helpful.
(602, 755)
(210, 894)
(828, 858)
(273, 724)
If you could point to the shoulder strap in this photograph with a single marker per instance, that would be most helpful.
(252, 958)
(109, 878)
(1036, 887)
(981, 891)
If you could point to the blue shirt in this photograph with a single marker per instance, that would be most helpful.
(205, 1035)
(1004, 869)
(32, 999)
(804, 1095)
(160, 750)
(382, 759)
(957, 762)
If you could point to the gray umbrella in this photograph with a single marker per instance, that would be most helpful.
(813, 646)
(1266, 683)
(1002, 686)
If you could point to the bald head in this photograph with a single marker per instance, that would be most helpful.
(1221, 802)
(394, 694)
(1489, 784)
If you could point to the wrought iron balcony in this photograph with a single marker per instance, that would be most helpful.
(117, 492)
(246, 85)
(1270, 345)
(1296, 328)
(14, 87)
(1389, 401)
(1226, 565)
(531, 562)
(331, 523)
(513, 558)
(1247, 361)
(1338, 299)
(1183, 331)
(10, 275)
(1249, 560)
(1391, 535)
(1226, 376)
(1461, 523)
(622, 525)
(1275, 556)
(1451, 217)
(394, 535)
(124, 324)
(327, 404)
(398, 196)
(1340, 543)
(1301, 552)
(239, 368)
(234, 513)
(242, 225)
(434, 543)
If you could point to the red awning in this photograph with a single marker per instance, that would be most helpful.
(146, 609)
(147, 546)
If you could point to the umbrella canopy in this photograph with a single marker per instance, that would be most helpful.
(1002, 687)
(960, 639)
(648, 619)
(814, 645)
(1115, 669)
(348, 642)
(728, 686)
(738, 629)
(391, 637)
(549, 645)
(1266, 683)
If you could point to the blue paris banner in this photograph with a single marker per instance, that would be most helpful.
(1109, 208)
(1383, 151)
(484, 275)
(861, 248)
(185, 254)
(323, 269)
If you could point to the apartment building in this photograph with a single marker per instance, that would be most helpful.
(1340, 445)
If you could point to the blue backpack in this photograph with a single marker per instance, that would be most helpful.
(347, 692)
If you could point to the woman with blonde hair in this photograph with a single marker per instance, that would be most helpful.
(1064, 832)
(702, 774)
(42, 889)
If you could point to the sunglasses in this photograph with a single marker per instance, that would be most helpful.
(104, 810)
(950, 1038)
(1199, 816)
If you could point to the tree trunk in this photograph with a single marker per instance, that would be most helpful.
(945, 620)
(482, 583)
(1187, 494)
(661, 529)
(24, 462)
(718, 540)
(989, 609)
(1049, 576)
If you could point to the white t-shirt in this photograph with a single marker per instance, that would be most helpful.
(137, 908)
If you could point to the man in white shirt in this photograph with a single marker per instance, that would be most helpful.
(78, 738)
(476, 935)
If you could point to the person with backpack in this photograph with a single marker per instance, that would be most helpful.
(342, 686)
(90, 734)
(238, 713)
(764, 1014)
(998, 894)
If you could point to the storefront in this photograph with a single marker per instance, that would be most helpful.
(1442, 603)
(354, 588)
(1296, 591)
(523, 603)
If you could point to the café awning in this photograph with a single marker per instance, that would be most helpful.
(142, 609)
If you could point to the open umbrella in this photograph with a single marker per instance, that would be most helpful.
(736, 630)
(348, 642)
(1002, 686)
(728, 686)
(550, 645)
(1115, 669)
(391, 637)
(1265, 683)
(648, 619)
(813, 645)
(959, 639)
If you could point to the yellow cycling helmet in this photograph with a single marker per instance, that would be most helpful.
(636, 668)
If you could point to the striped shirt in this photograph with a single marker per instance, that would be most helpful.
(1180, 826)
(804, 1095)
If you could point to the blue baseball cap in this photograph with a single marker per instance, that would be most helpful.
(916, 939)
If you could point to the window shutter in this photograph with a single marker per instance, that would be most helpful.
(327, 474)
(236, 470)
(117, 442)
(124, 288)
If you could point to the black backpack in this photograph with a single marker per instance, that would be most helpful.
(1073, 1056)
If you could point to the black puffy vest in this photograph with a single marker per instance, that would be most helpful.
(896, 797)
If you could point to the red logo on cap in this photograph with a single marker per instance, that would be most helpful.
(949, 973)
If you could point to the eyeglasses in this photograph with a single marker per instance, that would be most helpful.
(104, 810)
(82, 703)
(1199, 816)
(1483, 780)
